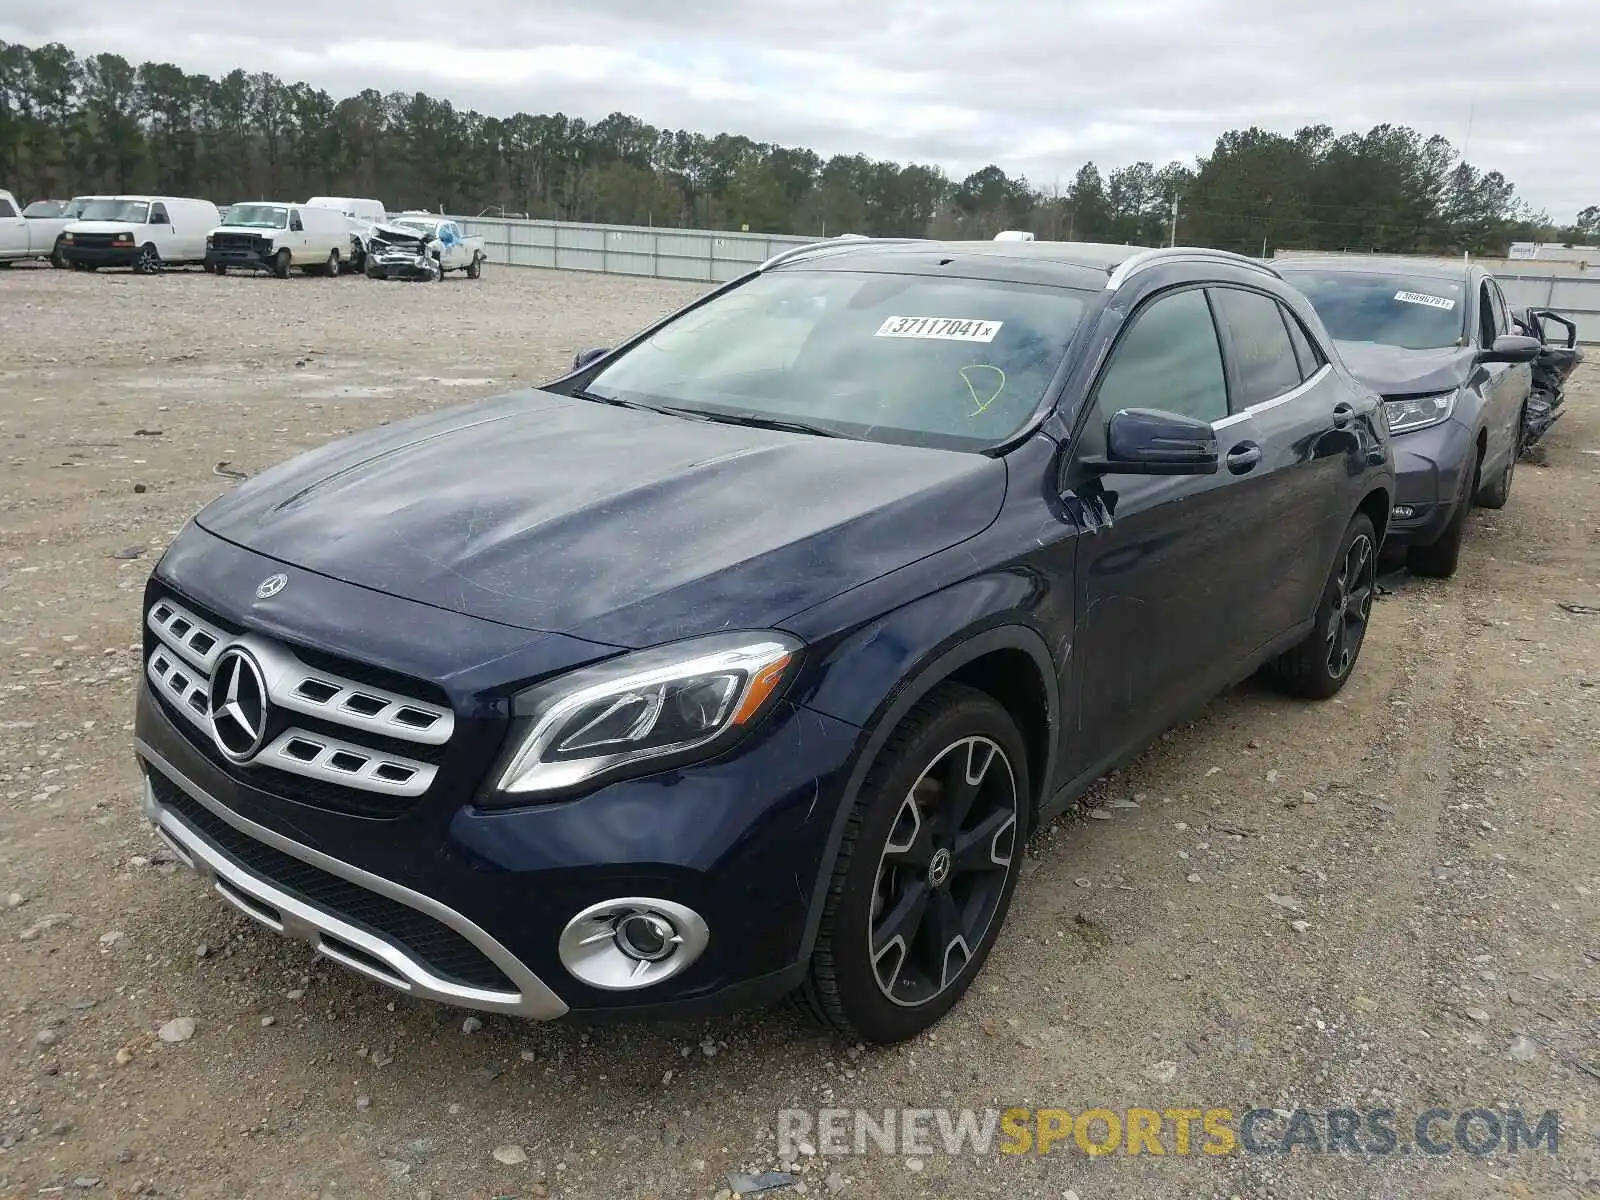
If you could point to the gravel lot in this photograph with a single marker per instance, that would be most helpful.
(1431, 842)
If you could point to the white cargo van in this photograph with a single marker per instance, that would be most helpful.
(363, 214)
(147, 233)
(276, 236)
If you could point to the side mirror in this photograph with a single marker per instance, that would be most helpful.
(1148, 441)
(584, 357)
(1512, 348)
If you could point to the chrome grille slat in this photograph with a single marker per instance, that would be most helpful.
(182, 630)
(185, 656)
(418, 778)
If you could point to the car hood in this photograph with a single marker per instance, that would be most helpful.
(401, 234)
(103, 226)
(1394, 371)
(616, 525)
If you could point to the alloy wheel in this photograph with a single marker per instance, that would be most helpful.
(1353, 591)
(943, 870)
(149, 260)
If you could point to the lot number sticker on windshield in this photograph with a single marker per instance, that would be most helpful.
(942, 329)
(1443, 302)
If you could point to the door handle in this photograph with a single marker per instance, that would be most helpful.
(1343, 414)
(1243, 457)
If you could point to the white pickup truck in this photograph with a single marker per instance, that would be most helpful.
(422, 246)
(35, 231)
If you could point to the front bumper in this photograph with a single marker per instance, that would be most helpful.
(401, 266)
(371, 925)
(1429, 466)
(100, 256)
(462, 903)
(242, 258)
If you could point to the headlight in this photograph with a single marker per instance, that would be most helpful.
(1419, 412)
(644, 711)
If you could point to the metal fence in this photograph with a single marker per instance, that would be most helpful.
(708, 256)
(714, 256)
(1575, 296)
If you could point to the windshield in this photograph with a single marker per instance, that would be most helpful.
(258, 216)
(134, 212)
(421, 226)
(46, 208)
(933, 361)
(1393, 310)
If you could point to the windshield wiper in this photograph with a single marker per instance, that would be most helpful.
(755, 421)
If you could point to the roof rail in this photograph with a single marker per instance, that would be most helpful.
(794, 252)
(1149, 258)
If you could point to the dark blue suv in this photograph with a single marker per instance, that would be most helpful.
(741, 661)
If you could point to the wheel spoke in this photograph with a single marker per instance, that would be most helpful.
(964, 774)
(902, 921)
(942, 942)
(911, 839)
(988, 845)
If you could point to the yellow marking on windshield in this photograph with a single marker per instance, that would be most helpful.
(982, 404)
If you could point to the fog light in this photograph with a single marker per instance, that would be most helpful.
(631, 942)
(1404, 512)
(646, 937)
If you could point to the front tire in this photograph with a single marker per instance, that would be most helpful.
(148, 261)
(926, 870)
(1496, 494)
(280, 264)
(1440, 559)
(1319, 666)
(58, 256)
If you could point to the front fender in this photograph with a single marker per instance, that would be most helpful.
(873, 676)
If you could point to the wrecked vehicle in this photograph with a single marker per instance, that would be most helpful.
(741, 660)
(1551, 370)
(1435, 340)
(422, 247)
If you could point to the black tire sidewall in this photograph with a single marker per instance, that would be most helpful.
(960, 713)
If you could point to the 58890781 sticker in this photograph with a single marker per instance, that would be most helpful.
(941, 329)
(1444, 302)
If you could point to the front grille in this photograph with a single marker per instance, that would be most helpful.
(444, 951)
(99, 241)
(246, 242)
(331, 733)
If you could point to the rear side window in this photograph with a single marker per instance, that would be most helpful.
(1168, 359)
(1305, 349)
(1262, 354)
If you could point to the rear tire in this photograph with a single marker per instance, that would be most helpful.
(475, 267)
(926, 870)
(1320, 665)
(331, 268)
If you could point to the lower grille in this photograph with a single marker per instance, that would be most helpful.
(442, 949)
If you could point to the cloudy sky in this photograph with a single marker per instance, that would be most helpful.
(1037, 86)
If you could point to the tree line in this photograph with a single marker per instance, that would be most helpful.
(71, 125)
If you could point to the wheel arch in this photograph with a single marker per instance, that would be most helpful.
(1008, 662)
(1378, 507)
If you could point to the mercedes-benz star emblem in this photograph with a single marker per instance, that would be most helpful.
(939, 868)
(237, 703)
(271, 586)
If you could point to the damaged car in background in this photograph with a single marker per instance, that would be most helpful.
(1436, 341)
(422, 247)
(1551, 370)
